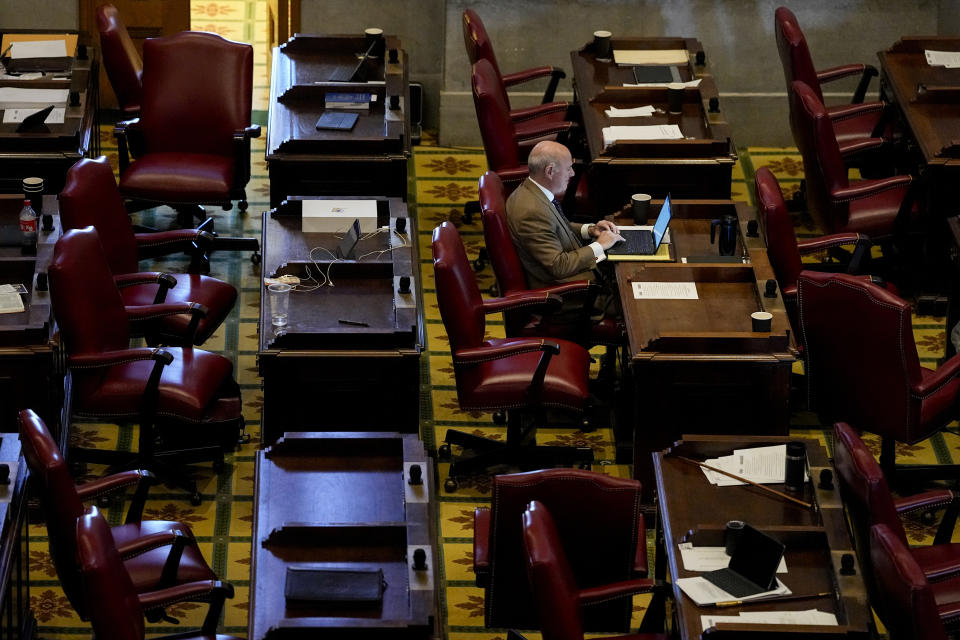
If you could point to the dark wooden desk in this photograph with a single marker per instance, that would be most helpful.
(48, 154)
(344, 501)
(697, 365)
(697, 167)
(320, 373)
(369, 160)
(693, 510)
(16, 618)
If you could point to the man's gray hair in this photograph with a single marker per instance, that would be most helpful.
(542, 155)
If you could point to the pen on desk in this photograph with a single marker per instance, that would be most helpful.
(7, 50)
(802, 596)
(750, 482)
(353, 323)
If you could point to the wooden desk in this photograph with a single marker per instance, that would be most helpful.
(321, 373)
(48, 154)
(16, 618)
(344, 501)
(697, 365)
(369, 160)
(693, 510)
(700, 167)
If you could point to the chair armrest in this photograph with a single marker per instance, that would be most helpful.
(161, 243)
(933, 499)
(866, 72)
(481, 546)
(477, 355)
(127, 133)
(844, 111)
(143, 544)
(640, 565)
(253, 131)
(519, 77)
(806, 247)
(531, 133)
(568, 288)
(534, 301)
(200, 590)
(115, 482)
(107, 359)
(943, 374)
(528, 113)
(869, 188)
(165, 280)
(603, 593)
(513, 176)
(852, 148)
(149, 312)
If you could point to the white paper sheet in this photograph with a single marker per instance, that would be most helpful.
(641, 132)
(811, 617)
(16, 97)
(765, 465)
(10, 300)
(690, 84)
(948, 59)
(39, 49)
(651, 56)
(19, 115)
(632, 112)
(665, 291)
(710, 558)
(704, 592)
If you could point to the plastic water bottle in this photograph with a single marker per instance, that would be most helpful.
(28, 228)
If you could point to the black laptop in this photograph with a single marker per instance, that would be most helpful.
(346, 250)
(357, 73)
(643, 242)
(753, 566)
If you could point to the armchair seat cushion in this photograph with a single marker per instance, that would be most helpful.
(873, 216)
(858, 127)
(503, 383)
(216, 295)
(121, 392)
(939, 405)
(938, 561)
(145, 568)
(179, 177)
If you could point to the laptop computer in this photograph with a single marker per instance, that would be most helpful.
(357, 73)
(644, 242)
(346, 250)
(753, 566)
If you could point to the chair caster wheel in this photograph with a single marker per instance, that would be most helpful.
(195, 498)
(450, 485)
(586, 427)
(256, 257)
(103, 502)
(443, 452)
(242, 205)
(499, 417)
(928, 518)
(494, 291)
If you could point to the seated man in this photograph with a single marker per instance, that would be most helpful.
(551, 248)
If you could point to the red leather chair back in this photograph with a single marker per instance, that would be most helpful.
(115, 610)
(90, 198)
(120, 58)
(793, 50)
(197, 91)
(907, 605)
(555, 592)
(503, 255)
(477, 41)
(493, 116)
(86, 302)
(58, 499)
(822, 162)
(861, 360)
(780, 239)
(597, 516)
(461, 305)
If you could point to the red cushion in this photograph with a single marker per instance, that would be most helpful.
(216, 295)
(874, 216)
(938, 561)
(179, 177)
(856, 127)
(144, 569)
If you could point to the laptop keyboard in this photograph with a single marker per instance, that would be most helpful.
(731, 582)
(636, 243)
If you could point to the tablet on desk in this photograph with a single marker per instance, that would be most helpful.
(337, 121)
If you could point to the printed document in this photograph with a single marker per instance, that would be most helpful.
(810, 617)
(710, 558)
(703, 592)
(641, 132)
(651, 56)
(666, 291)
(948, 59)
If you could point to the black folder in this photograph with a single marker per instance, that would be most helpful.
(307, 585)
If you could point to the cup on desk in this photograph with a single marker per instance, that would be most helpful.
(675, 97)
(601, 44)
(727, 227)
(761, 320)
(376, 45)
(33, 191)
(641, 207)
(731, 535)
(279, 295)
(795, 467)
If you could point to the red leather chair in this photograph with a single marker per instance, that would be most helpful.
(862, 368)
(184, 398)
(156, 553)
(511, 279)
(600, 521)
(869, 502)
(117, 609)
(478, 46)
(871, 207)
(785, 251)
(516, 375)
(120, 59)
(194, 123)
(910, 607)
(559, 599)
(852, 123)
(90, 198)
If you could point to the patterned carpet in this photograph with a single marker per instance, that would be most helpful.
(441, 181)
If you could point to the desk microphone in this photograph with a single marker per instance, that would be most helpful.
(394, 56)
(701, 58)
(416, 475)
(771, 289)
(404, 284)
(4, 474)
(714, 105)
(42, 281)
(419, 560)
(74, 98)
(753, 229)
(394, 103)
(401, 225)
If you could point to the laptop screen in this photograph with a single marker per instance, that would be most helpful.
(757, 557)
(663, 221)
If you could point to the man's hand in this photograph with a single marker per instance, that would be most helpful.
(606, 225)
(608, 238)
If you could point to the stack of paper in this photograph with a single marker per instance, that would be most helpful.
(710, 558)
(764, 465)
(645, 132)
(811, 617)
(634, 112)
(15, 97)
(703, 592)
(651, 56)
(56, 116)
(948, 59)
(690, 84)
(10, 300)
(38, 49)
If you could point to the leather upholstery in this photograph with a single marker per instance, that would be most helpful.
(120, 59)
(558, 596)
(861, 360)
(866, 206)
(487, 377)
(61, 505)
(907, 605)
(90, 198)
(602, 527)
(197, 94)
(493, 115)
(849, 124)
